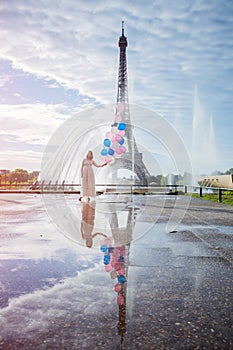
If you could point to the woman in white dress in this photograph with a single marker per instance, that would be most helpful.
(88, 177)
(87, 224)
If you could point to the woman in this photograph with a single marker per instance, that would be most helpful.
(88, 176)
(87, 224)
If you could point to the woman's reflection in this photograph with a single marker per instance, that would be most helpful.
(87, 224)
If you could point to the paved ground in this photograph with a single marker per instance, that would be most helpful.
(56, 294)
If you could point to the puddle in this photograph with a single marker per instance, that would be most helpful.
(226, 230)
(119, 281)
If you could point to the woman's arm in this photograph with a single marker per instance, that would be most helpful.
(82, 168)
(99, 233)
(97, 165)
(81, 229)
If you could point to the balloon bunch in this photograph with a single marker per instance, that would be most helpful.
(114, 261)
(113, 145)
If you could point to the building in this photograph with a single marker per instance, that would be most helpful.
(224, 181)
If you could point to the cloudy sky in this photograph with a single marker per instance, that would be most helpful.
(58, 57)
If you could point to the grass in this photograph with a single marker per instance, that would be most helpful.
(227, 197)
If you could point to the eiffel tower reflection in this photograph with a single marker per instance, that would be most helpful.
(115, 250)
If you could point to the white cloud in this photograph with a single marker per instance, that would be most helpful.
(30, 218)
(25, 131)
(164, 42)
(29, 160)
(28, 121)
(3, 80)
(82, 295)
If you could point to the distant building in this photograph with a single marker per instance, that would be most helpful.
(4, 171)
(224, 181)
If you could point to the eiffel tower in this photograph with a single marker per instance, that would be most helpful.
(132, 159)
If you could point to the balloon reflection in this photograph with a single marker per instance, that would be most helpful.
(116, 263)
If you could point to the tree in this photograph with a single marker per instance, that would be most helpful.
(18, 175)
(33, 176)
(217, 172)
(151, 179)
(158, 179)
(163, 181)
(229, 171)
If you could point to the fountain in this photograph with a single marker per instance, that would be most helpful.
(203, 146)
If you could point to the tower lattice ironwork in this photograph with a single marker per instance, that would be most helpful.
(132, 159)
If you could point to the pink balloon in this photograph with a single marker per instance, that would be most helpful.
(118, 151)
(117, 287)
(122, 251)
(108, 268)
(120, 300)
(118, 118)
(121, 271)
(117, 266)
(113, 262)
(120, 107)
(121, 132)
(118, 137)
(115, 257)
(106, 240)
(113, 138)
(122, 149)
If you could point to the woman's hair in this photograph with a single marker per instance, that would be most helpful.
(91, 154)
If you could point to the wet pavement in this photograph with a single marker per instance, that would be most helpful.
(117, 278)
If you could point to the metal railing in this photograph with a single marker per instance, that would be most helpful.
(219, 190)
(75, 188)
(136, 188)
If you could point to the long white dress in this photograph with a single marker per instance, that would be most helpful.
(88, 181)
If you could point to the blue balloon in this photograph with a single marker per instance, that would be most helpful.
(104, 152)
(111, 151)
(107, 142)
(104, 248)
(121, 258)
(107, 258)
(121, 279)
(121, 141)
(121, 126)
